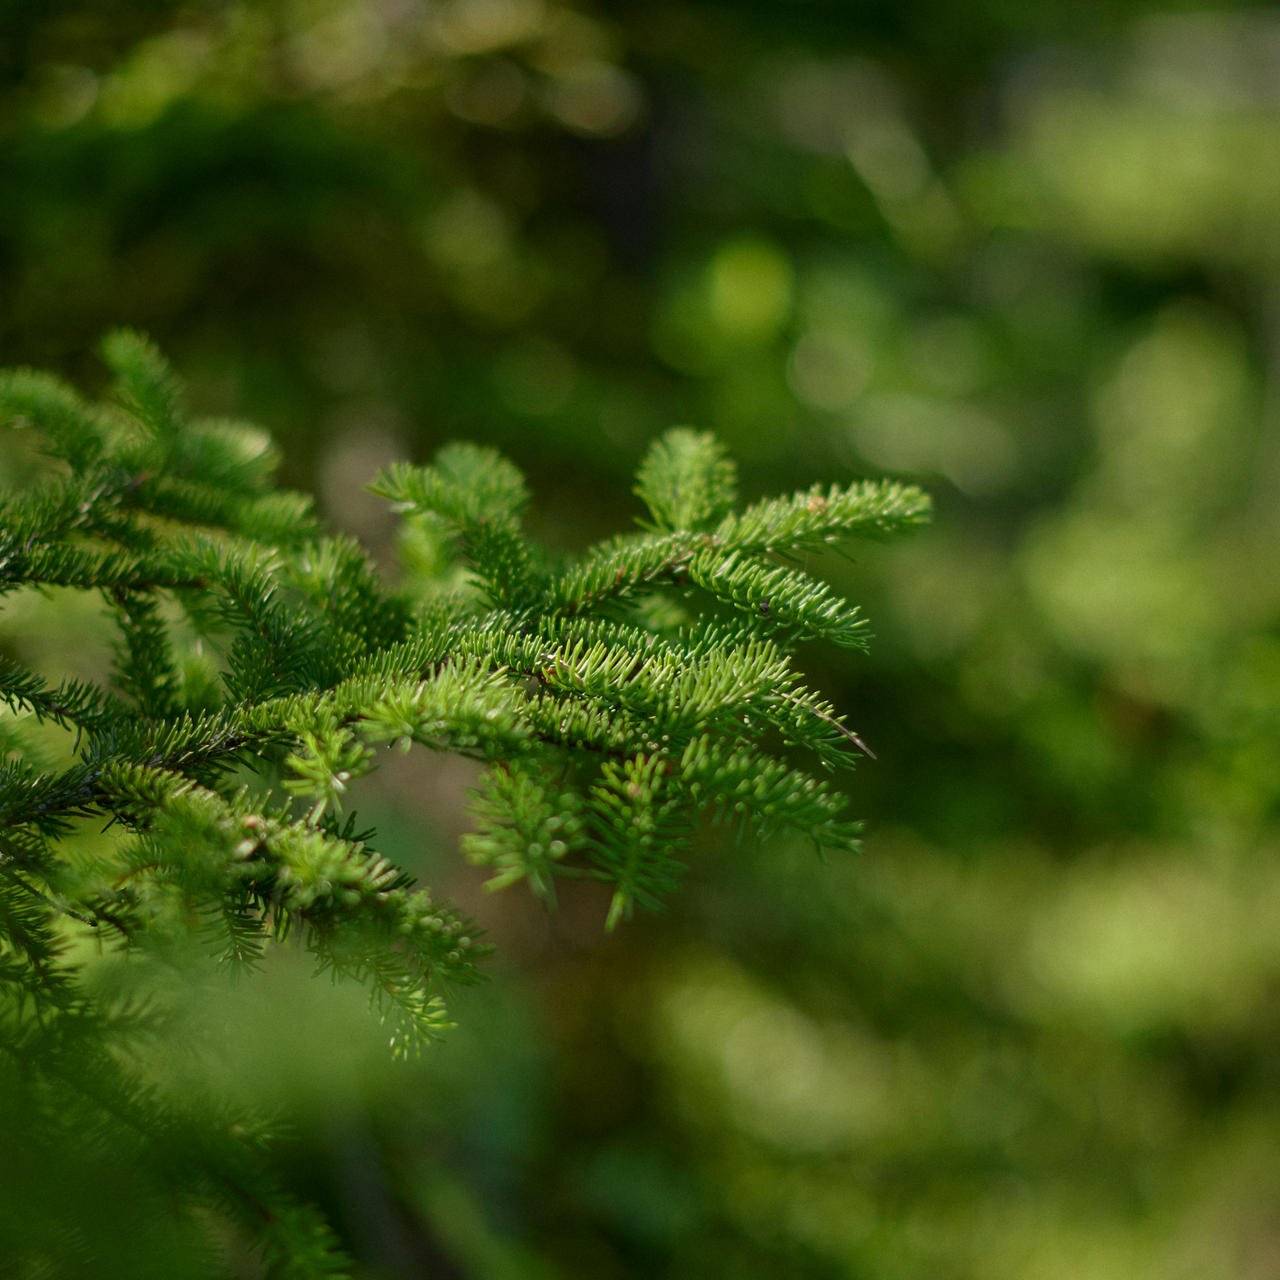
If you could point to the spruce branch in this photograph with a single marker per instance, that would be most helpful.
(617, 701)
(477, 495)
(72, 430)
(779, 598)
(639, 824)
(687, 480)
(70, 703)
(615, 571)
(144, 665)
(526, 825)
(464, 486)
(144, 383)
(818, 517)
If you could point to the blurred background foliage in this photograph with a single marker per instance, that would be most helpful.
(1026, 254)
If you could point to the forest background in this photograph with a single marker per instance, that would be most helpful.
(1023, 254)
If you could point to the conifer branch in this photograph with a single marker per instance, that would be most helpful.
(817, 517)
(262, 666)
(687, 480)
(72, 703)
(778, 598)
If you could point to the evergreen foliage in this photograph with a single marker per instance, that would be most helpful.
(261, 665)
